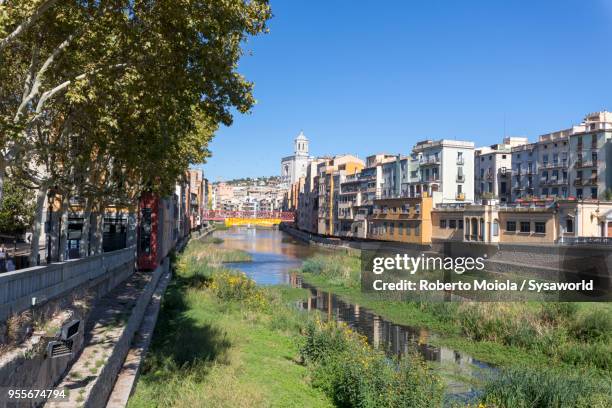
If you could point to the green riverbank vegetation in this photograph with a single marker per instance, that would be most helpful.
(223, 341)
(546, 345)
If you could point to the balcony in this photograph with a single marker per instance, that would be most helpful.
(430, 161)
(489, 176)
(460, 161)
(460, 178)
(586, 163)
(555, 164)
(590, 182)
(578, 182)
(460, 196)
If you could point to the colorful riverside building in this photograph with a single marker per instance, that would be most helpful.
(331, 173)
(544, 222)
(492, 169)
(402, 219)
(355, 198)
(554, 190)
(566, 163)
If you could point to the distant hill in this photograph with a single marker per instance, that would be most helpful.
(253, 180)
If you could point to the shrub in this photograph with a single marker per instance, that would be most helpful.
(230, 285)
(558, 312)
(355, 375)
(597, 355)
(594, 326)
(339, 269)
(523, 388)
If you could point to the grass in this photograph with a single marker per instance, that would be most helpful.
(209, 351)
(510, 333)
(528, 388)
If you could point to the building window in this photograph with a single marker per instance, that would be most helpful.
(391, 227)
(442, 223)
(569, 225)
(511, 226)
(525, 226)
(594, 193)
(452, 224)
(540, 227)
(417, 230)
(407, 230)
(495, 231)
(460, 224)
(579, 193)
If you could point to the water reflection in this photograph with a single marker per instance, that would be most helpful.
(274, 253)
(276, 256)
(398, 339)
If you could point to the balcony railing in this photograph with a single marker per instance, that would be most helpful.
(591, 181)
(460, 196)
(429, 161)
(460, 178)
(460, 160)
(578, 182)
(586, 240)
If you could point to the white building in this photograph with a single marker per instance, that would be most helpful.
(493, 169)
(591, 157)
(294, 167)
(443, 169)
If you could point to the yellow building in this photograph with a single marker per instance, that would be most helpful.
(543, 222)
(402, 220)
(447, 223)
(330, 173)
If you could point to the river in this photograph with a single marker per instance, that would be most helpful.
(277, 255)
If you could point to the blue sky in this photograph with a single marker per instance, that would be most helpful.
(363, 77)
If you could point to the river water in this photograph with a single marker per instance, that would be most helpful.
(276, 256)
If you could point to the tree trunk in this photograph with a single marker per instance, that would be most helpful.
(63, 242)
(41, 194)
(85, 232)
(98, 234)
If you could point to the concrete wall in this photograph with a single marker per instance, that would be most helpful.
(18, 288)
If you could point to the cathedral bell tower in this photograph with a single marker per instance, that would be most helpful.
(301, 145)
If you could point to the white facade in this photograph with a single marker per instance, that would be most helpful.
(493, 170)
(591, 157)
(443, 169)
(294, 167)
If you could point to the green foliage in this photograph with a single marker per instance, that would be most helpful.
(594, 326)
(223, 351)
(355, 375)
(16, 209)
(338, 268)
(108, 99)
(522, 388)
(558, 312)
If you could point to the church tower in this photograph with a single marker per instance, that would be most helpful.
(301, 145)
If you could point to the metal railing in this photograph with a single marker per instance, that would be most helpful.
(586, 240)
